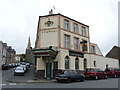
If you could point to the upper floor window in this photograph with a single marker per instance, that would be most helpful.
(83, 32)
(76, 40)
(75, 28)
(92, 49)
(66, 24)
(66, 41)
(84, 45)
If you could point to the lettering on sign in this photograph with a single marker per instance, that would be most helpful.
(49, 31)
(77, 54)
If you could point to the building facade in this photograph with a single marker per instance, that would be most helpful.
(114, 53)
(63, 43)
(7, 54)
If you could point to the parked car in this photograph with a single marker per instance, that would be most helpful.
(10, 65)
(24, 66)
(69, 76)
(112, 72)
(19, 71)
(95, 73)
(28, 65)
(5, 67)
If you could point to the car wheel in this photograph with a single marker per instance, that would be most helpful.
(58, 81)
(82, 79)
(96, 77)
(68, 80)
(115, 76)
(106, 76)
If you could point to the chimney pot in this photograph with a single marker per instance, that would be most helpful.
(51, 12)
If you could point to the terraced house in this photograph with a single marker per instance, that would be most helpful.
(64, 43)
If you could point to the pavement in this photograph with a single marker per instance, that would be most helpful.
(28, 78)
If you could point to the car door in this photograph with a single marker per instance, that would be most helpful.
(99, 73)
(102, 73)
(75, 75)
(72, 76)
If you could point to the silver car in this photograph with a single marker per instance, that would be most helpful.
(19, 71)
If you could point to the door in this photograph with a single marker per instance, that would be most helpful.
(48, 70)
(101, 73)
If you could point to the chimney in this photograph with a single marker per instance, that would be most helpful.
(51, 12)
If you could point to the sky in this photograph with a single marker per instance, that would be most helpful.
(19, 20)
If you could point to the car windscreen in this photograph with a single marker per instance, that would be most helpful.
(109, 69)
(19, 68)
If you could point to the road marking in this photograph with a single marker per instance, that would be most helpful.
(12, 83)
(3, 84)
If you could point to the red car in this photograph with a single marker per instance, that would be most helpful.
(112, 72)
(94, 73)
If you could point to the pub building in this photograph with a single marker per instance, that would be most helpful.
(64, 43)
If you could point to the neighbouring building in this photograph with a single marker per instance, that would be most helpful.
(3, 52)
(17, 58)
(114, 53)
(64, 43)
(29, 54)
(7, 54)
(11, 53)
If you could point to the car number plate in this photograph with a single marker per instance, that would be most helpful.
(87, 75)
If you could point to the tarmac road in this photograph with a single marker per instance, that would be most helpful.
(103, 83)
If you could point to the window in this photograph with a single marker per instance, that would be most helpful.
(55, 63)
(94, 62)
(83, 31)
(67, 62)
(76, 63)
(85, 63)
(66, 24)
(76, 43)
(92, 49)
(67, 41)
(84, 45)
(75, 28)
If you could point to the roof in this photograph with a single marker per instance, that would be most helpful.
(65, 17)
(113, 53)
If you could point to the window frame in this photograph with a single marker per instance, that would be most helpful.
(93, 49)
(76, 44)
(76, 63)
(66, 24)
(75, 28)
(83, 31)
(66, 41)
(67, 62)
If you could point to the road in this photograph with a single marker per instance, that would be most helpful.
(103, 83)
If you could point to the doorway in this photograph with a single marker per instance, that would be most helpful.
(48, 70)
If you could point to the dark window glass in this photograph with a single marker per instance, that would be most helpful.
(67, 62)
(76, 63)
(90, 70)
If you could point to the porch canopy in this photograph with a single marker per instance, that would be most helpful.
(45, 53)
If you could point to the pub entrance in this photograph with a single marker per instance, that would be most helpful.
(48, 56)
(48, 70)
